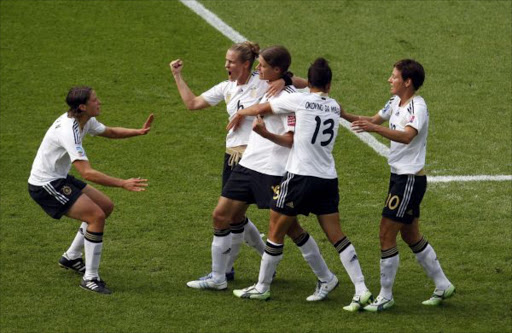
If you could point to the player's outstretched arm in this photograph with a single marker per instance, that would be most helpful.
(95, 176)
(404, 136)
(192, 102)
(376, 119)
(121, 132)
(257, 109)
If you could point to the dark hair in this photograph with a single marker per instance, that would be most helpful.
(77, 96)
(411, 69)
(319, 73)
(278, 56)
(247, 51)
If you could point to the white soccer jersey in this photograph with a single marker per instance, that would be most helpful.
(265, 156)
(62, 144)
(407, 158)
(316, 128)
(237, 97)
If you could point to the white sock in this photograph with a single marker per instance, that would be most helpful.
(221, 246)
(350, 261)
(252, 237)
(428, 260)
(237, 238)
(269, 261)
(93, 245)
(75, 250)
(313, 257)
(388, 269)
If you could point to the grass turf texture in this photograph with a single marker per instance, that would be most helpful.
(157, 240)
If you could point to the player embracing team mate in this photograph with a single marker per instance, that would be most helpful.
(242, 89)
(408, 119)
(59, 193)
(310, 184)
(256, 179)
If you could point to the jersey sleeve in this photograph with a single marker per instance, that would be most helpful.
(285, 103)
(95, 127)
(385, 112)
(216, 94)
(71, 141)
(419, 118)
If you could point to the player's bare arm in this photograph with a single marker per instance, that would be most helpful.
(258, 109)
(122, 133)
(95, 176)
(404, 136)
(192, 102)
(285, 140)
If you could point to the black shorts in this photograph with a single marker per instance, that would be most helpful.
(57, 197)
(307, 194)
(404, 197)
(251, 187)
(226, 171)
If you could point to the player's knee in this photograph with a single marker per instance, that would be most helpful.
(220, 219)
(108, 209)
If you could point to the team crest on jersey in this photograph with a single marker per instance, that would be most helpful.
(66, 190)
(254, 92)
(228, 98)
(80, 151)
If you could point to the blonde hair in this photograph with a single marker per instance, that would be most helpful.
(247, 51)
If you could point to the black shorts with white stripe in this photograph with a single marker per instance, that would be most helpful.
(251, 187)
(404, 197)
(306, 194)
(57, 197)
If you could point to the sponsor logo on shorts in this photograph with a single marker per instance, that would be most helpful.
(66, 190)
(409, 212)
(289, 204)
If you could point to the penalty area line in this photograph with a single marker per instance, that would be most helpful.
(367, 138)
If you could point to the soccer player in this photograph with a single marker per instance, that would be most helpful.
(310, 184)
(408, 118)
(256, 179)
(242, 89)
(59, 193)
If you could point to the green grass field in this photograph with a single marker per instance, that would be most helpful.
(158, 240)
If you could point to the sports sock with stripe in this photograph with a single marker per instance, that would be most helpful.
(252, 237)
(388, 267)
(350, 261)
(271, 258)
(311, 253)
(427, 258)
(93, 243)
(221, 246)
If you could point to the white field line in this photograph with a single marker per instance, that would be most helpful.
(214, 21)
(367, 138)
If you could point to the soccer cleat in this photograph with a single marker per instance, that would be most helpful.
(323, 289)
(230, 276)
(95, 285)
(379, 304)
(439, 295)
(76, 265)
(252, 293)
(359, 301)
(207, 282)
